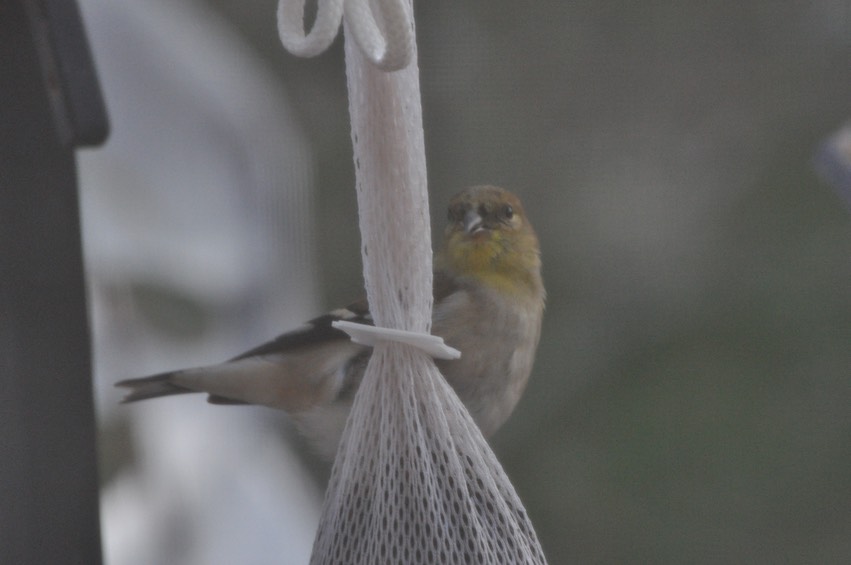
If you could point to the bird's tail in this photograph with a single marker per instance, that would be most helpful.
(151, 387)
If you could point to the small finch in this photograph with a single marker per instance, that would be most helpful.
(488, 304)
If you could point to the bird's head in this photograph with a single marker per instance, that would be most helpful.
(489, 238)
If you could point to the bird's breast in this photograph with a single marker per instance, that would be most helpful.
(497, 341)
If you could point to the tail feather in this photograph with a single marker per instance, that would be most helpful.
(151, 387)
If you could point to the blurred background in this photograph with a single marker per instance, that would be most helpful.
(691, 402)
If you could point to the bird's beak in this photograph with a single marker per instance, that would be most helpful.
(472, 222)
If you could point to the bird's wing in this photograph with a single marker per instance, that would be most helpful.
(293, 371)
(320, 331)
(317, 331)
(444, 285)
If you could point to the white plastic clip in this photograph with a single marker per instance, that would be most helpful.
(370, 335)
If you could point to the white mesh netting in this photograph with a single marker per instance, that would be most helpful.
(414, 480)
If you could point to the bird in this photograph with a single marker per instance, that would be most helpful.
(489, 301)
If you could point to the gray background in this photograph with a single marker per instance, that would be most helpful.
(691, 402)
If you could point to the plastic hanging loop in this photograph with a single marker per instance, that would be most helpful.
(329, 13)
(383, 29)
(388, 40)
(370, 335)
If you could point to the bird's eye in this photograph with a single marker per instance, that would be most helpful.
(507, 212)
